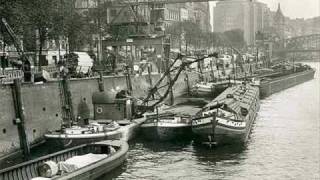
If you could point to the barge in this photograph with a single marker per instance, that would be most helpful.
(229, 117)
(173, 123)
(276, 83)
(77, 135)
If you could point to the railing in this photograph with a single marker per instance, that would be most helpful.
(9, 75)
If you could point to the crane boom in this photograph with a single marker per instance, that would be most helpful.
(14, 39)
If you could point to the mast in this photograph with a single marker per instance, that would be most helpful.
(99, 48)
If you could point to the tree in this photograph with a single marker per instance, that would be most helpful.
(71, 25)
(32, 19)
(11, 11)
(190, 29)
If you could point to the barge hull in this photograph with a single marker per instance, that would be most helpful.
(282, 83)
(167, 133)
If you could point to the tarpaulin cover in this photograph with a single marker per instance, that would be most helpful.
(77, 162)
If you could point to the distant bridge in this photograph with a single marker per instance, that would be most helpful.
(301, 44)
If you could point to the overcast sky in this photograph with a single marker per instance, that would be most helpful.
(296, 8)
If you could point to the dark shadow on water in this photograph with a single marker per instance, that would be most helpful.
(218, 153)
(114, 173)
(160, 146)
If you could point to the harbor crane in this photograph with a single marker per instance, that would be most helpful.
(154, 90)
(23, 63)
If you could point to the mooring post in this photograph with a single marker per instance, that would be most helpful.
(20, 119)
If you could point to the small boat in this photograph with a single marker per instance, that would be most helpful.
(229, 117)
(97, 131)
(76, 135)
(170, 124)
(84, 162)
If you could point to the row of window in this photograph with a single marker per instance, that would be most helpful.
(172, 15)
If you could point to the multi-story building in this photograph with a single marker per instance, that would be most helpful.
(312, 26)
(150, 16)
(196, 12)
(249, 16)
(202, 15)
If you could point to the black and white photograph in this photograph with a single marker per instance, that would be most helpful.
(159, 89)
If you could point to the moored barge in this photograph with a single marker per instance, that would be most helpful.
(170, 124)
(229, 117)
(289, 78)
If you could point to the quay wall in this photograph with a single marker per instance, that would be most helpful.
(42, 105)
(282, 83)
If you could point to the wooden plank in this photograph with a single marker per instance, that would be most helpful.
(19, 174)
(24, 173)
(56, 159)
(15, 174)
(27, 169)
(33, 170)
(6, 177)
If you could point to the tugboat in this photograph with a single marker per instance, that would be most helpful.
(173, 123)
(229, 117)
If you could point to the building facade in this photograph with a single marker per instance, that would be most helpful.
(249, 16)
(198, 13)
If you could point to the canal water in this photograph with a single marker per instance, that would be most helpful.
(284, 144)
